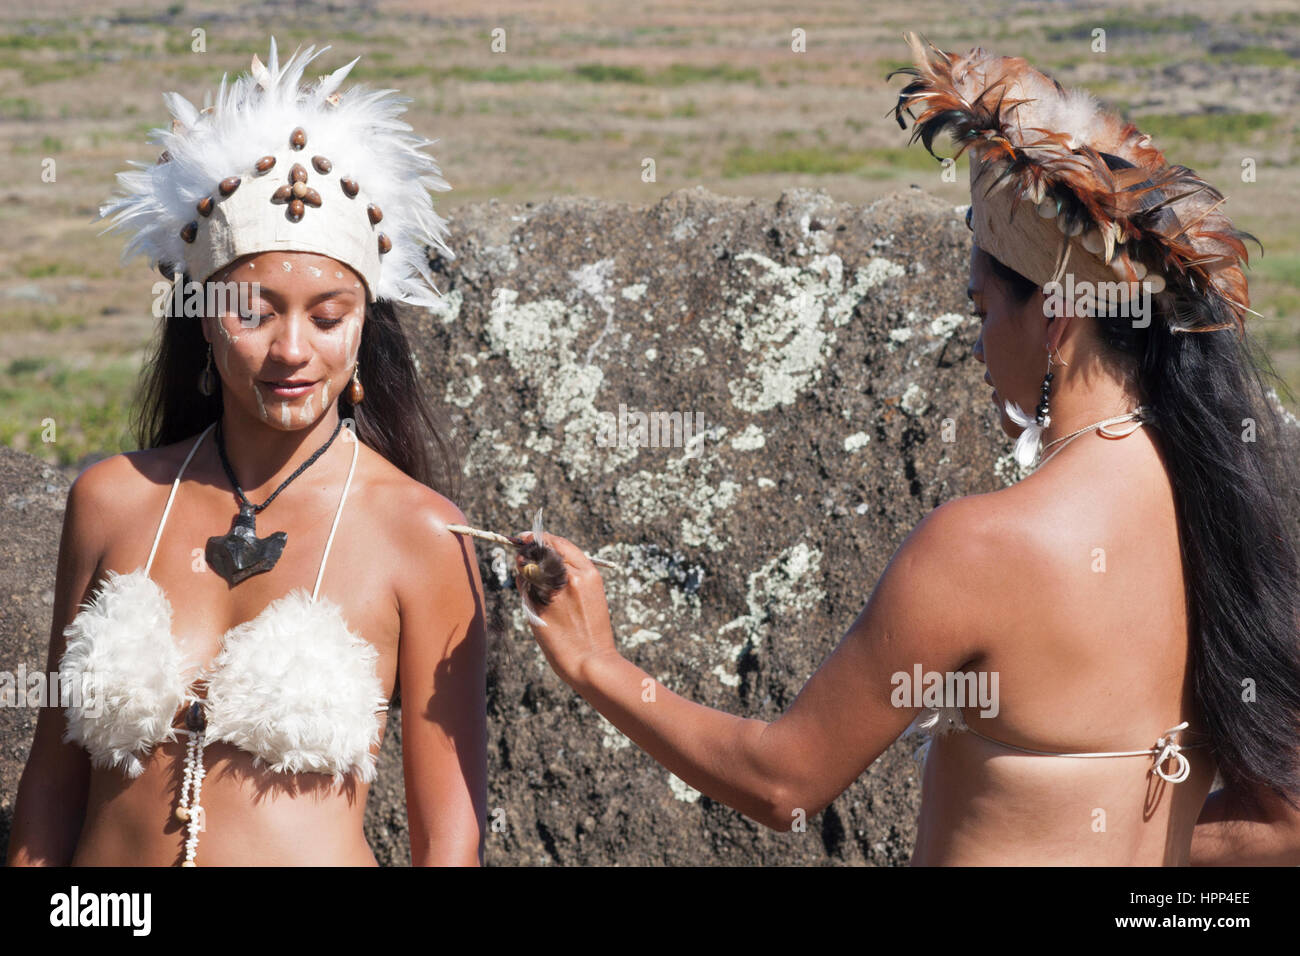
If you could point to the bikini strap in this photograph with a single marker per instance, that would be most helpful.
(171, 497)
(1167, 747)
(356, 447)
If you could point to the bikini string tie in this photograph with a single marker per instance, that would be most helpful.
(1168, 747)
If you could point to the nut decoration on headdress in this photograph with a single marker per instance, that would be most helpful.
(1059, 185)
(272, 167)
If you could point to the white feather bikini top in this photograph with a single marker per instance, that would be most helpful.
(294, 686)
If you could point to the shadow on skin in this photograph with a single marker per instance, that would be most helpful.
(238, 764)
(1156, 787)
(448, 671)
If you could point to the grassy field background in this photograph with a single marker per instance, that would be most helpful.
(712, 91)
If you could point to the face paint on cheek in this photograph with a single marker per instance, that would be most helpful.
(287, 266)
(284, 414)
(307, 413)
(257, 394)
(348, 336)
(223, 347)
(325, 395)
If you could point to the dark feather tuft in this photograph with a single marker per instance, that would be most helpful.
(543, 572)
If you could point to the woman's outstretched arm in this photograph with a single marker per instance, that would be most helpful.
(921, 612)
(442, 670)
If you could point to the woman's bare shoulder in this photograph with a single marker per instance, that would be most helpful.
(416, 515)
(977, 520)
(403, 496)
(109, 498)
(122, 482)
(428, 561)
(993, 537)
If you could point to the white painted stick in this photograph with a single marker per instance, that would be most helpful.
(503, 540)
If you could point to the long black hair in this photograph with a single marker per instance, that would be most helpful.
(394, 418)
(1232, 459)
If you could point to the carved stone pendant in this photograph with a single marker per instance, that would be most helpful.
(241, 553)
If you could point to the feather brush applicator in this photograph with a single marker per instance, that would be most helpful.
(543, 571)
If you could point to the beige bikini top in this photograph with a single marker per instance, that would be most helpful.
(934, 722)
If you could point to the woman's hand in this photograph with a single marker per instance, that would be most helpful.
(577, 618)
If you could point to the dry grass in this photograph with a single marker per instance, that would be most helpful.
(711, 91)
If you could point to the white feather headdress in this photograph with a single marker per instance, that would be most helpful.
(272, 166)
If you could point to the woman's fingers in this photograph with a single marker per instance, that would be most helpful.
(573, 623)
(573, 556)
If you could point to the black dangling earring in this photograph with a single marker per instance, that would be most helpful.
(1043, 419)
(208, 378)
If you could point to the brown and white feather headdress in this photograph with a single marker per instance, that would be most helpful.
(1058, 183)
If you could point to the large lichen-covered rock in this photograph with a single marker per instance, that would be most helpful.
(812, 360)
(32, 497)
(820, 353)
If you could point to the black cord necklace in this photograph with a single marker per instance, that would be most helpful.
(241, 553)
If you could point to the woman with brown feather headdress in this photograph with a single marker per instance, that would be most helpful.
(1136, 594)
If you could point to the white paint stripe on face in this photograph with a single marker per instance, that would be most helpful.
(284, 414)
(348, 333)
(286, 265)
(257, 393)
(223, 347)
(307, 413)
(325, 395)
(356, 345)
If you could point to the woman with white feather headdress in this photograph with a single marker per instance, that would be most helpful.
(1132, 602)
(310, 206)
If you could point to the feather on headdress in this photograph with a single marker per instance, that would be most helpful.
(270, 166)
(1095, 196)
